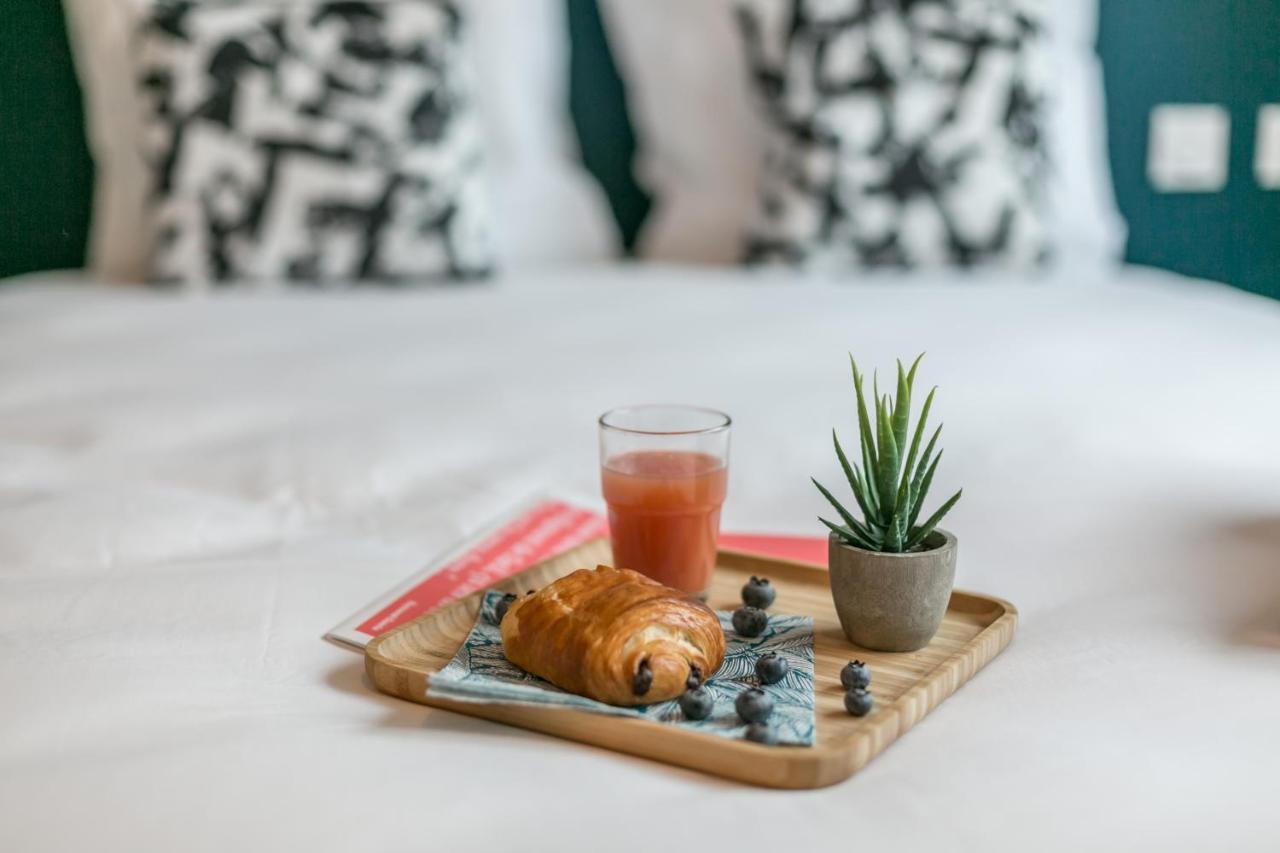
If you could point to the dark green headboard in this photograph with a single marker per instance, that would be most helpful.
(1223, 52)
(597, 100)
(46, 177)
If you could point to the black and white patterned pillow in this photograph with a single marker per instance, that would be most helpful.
(314, 140)
(904, 132)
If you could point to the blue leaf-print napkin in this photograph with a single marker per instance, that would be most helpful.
(479, 672)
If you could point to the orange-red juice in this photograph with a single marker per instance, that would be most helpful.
(664, 514)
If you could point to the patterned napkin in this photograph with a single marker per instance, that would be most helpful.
(480, 673)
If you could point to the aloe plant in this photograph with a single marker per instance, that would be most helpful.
(894, 478)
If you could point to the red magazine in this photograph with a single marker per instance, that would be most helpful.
(534, 532)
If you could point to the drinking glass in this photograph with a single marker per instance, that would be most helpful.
(664, 471)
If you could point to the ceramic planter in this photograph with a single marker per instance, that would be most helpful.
(892, 602)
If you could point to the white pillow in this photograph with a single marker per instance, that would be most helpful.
(701, 139)
(547, 208)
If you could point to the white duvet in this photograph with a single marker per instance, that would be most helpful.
(193, 490)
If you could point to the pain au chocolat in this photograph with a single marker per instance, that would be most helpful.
(613, 635)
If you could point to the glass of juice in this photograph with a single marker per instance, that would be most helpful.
(664, 470)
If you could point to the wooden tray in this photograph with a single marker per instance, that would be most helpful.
(906, 686)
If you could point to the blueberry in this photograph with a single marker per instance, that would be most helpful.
(754, 705)
(858, 702)
(762, 733)
(758, 592)
(771, 667)
(500, 609)
(750, 621)
(855, 675)
(697, 703)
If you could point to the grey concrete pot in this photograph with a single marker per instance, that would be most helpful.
(892, 602)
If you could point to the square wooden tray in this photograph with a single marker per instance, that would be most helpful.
(906, 686)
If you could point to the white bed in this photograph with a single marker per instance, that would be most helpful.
(193, 489)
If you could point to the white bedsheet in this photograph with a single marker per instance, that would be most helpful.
(193, 490)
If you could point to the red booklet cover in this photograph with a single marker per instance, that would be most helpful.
(536, 531)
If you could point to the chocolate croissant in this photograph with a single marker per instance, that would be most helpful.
(613, 635)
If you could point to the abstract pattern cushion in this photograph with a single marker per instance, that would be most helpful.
(317, 141)
(904, 133)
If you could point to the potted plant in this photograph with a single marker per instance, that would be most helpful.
(891, 574)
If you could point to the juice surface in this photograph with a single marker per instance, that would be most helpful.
(664, 514)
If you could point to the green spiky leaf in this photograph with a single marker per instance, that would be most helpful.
(922, 532)
(899, 526)
(848, 536)
(893, 539)
(918, 477)
(861, 493)
(887, 485)
(854, 477)
(911, 374)
(844, 461)
(901, 410)
(869, 461)
(845, 515)
(906, 495)
(924, 490)
(907, 468)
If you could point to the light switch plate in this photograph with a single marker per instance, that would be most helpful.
(1266, 152)
(1189, 148)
